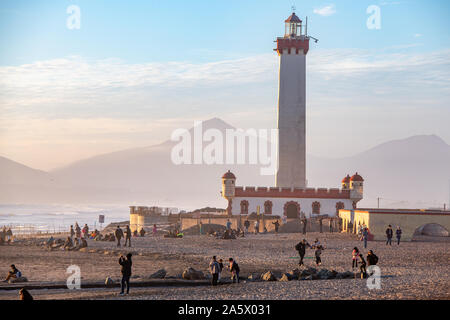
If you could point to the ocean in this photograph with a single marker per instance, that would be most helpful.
(25, 219)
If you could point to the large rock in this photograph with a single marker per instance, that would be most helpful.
(268, 276)
(18, 280)
(294, 274)
(160, 274)
(308, 272)
(192, 274)
(254, 277)
(285, 277)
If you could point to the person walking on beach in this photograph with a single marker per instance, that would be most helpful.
(200, 228)
(365, 235)
(154, 230)
(398, 233)
(234, 269)
(119, 234)
(330, 223)
(214, 268)
(355, 254)
(301, 248)
(389, 234)
(277, 225)
(256, 226)
(126, 272)
(127, 236)
(142, 232)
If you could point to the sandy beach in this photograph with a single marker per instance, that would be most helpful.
(413, 270)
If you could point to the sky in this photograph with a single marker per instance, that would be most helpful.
(134, 71)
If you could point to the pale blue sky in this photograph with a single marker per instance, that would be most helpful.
(136, 70)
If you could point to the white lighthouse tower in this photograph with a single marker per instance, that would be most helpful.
(292, 50)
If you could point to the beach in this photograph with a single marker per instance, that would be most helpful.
(413, 270)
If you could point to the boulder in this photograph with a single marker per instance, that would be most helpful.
(109, 281)
(294, 274)
(192, 274)
(18, 280)
(285, 277)
(254, 277)
(160, 274)
(268, 276)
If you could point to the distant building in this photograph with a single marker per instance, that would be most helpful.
(409, 220)
(291, 202)
(147, 216)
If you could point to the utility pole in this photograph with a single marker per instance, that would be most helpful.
(378, 203)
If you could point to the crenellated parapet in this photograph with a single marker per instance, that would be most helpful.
(271, 192)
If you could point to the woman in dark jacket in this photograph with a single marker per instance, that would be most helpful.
(126, 272)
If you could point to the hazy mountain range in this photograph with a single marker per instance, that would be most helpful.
(412, 172)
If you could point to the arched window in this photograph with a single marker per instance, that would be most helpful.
(244, 207)
(339, 205)
(316, 207)
(268, 207)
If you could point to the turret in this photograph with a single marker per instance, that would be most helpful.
(228, 188)
(356, 187)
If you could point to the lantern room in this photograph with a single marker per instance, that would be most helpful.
(293, 26)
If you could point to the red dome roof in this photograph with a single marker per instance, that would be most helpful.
(293, 18)
(228, 175)
(346, 179)
(356, 177)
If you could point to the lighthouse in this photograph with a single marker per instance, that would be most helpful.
(292, 50)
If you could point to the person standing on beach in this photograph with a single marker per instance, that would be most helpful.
(301, 248)
(304, 221)
(277, 225)
(155, 230)
(77, 230)
(317, 254)
(234, 269)
(220, 268)
(126, 273)
(246, 225)
(330, 222)
(228, 224)
(214, 268)
(119, 234)
(256, 226)
(398, 232)
(389, 234)
(72, 232)
(355, 254)
(365, 235)
(127, 236)
(372, 259)
(200, 228)
(362, 266)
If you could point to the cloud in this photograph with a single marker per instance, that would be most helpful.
(326, 10)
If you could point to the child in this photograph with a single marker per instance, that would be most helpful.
(355, 254)
(220, 268)
(317, 253)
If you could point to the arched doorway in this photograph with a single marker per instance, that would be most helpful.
(292, 210)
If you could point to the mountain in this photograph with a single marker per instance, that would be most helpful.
(411, 172)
